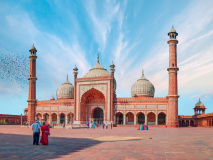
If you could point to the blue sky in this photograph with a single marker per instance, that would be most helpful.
(131, 33)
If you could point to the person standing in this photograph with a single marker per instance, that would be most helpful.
(141, 126)
(106, 125)
(111, 125)
(138, 126)
(90, 125)
(35, 128)
(103, 125)
(45, 132)
(39, 125)
(27, 124)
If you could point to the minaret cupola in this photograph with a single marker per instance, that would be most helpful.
(33, 51)
(172, 33)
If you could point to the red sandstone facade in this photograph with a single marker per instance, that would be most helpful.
(94, 97)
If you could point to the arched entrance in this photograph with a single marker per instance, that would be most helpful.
(39, 117)
(46, 117)
(141, 118)
(192, 123)
(54, 118)
(161, 118)
(90, 101)
(98, 115)
(187, 123)
(70, 117)
(119, 118)
(129, 118)
(151, 118)
(62, 118)
(183, 123)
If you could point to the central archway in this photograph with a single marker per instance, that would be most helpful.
(92, 106)
(98, 115)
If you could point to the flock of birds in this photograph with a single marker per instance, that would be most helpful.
(14, 69)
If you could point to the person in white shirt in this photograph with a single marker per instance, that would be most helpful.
(106, 125)
(36, 131)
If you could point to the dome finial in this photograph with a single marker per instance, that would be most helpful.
(67, 77)
(172, 26)
(142, 72)
(199, 99)
(97, 57)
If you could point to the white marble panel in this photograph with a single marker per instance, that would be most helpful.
(140, 106)
(46, 108)
(70, 107)
(117, 107)
(38, 108)
(53, 108)
(62, 107)
(161, 106)
(130, 106)
(151, 106)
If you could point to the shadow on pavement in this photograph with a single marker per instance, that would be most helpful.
(14, 146)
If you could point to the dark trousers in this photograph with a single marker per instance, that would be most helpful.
(35, 138)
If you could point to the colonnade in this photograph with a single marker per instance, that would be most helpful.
(56, 118)
(149, 118)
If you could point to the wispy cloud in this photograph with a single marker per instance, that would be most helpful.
(102, 18)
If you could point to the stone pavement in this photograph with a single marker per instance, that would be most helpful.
(124, 143)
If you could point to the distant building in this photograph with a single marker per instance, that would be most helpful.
(199, 119)
(7, 119)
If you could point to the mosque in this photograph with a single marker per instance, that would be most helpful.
(93, 97)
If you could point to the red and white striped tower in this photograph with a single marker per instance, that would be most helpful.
(172, 96)
(32, 86)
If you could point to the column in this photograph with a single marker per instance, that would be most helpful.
(58, 119)
(124, 120)
(135, 118)
(50, 119)
(189, 123)
(71, 118)
(145, 118)
(114, 120)
(66, 119)
(21, 119)
(156, 120)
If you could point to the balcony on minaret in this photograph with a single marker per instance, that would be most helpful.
(172, 34)
(33, 51)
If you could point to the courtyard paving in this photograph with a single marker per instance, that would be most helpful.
(126, 143)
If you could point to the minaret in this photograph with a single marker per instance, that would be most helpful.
(32, 86)
(112, 92)
(75, 69)
(173, 96)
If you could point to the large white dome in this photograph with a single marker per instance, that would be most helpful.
(143, 87)
(66, 90)
(97, 71)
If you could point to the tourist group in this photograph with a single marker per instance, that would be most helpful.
(142, 126)
(36, 127)
(98, 124)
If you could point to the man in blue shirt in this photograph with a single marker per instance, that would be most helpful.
(36, 131)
